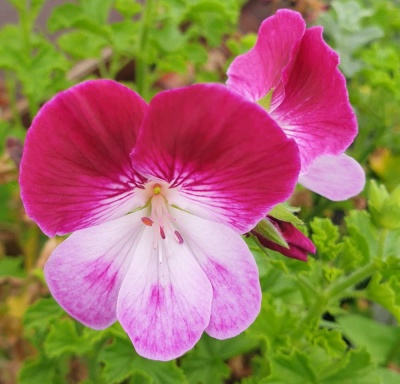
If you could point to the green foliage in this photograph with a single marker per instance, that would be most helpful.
(378, 339)
(38, 371)
(121, 361)
(345, 26)
(206, 362)
(385, 209)
(11, 266)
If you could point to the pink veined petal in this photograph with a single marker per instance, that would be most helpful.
(85, 272)
(164, 307)
(228, 158)
(316, 111)
(76, 170)
(256, 72)
(334, 177)
(231, 269)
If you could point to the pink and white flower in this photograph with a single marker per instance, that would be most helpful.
(299, 71)
(157, 196)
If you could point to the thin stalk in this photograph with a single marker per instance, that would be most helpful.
(141, 74)
(31, 247)
(337, 289)
(11, 85)
(381, 245)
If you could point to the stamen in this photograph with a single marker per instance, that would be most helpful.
(157, 189)
(162, 233)
(147, 221)
(178, 237)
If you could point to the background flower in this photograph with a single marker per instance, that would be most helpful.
(293, 73)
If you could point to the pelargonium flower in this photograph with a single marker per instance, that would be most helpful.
(156, 197)
(295, 75)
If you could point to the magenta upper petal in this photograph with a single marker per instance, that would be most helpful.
(76, 171)
(335, 177)
(229, 265)
(316, 111)
(229, 160)
(256, 72)
(165, 300)
(85, 272)
(309, 96)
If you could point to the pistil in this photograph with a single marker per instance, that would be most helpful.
(161, 219)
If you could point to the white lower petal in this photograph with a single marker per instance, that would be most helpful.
(85, 272)
(164, 306)
(231, 269)
(334, 177)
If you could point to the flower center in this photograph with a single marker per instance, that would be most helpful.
(161, 219)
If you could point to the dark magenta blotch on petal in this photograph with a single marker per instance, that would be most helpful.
(228, 158)
(76, 171)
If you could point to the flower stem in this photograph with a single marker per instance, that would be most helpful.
(335, 292)
(141, 56)
(338, 288)
(381, 244)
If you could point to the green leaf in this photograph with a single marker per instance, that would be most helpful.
(82, 44)
(294, 369)
(169, 38)
(128, 8)
(12, 266)
(88, 17)
(351, 256)
(285, 213)
(363, 232)
(387, 376)
(63, 339)
(64, 16)
(331, 341)
(97, 11)
(273, 324)
(124, 36)
(121, 361)
(40, 71)
(378, 339)
(384, 208)
(37, 371)
(354, 367)
(359, 370)
(386, 293)
(326, 238)
(42, 313)
(206, 362)
(266, 229)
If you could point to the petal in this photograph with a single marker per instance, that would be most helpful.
(85, 272)
(164, 307)
(76, 170)
(316, 110)
(228, 158)
(231, 269)
(256, 72)
(335, 177)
